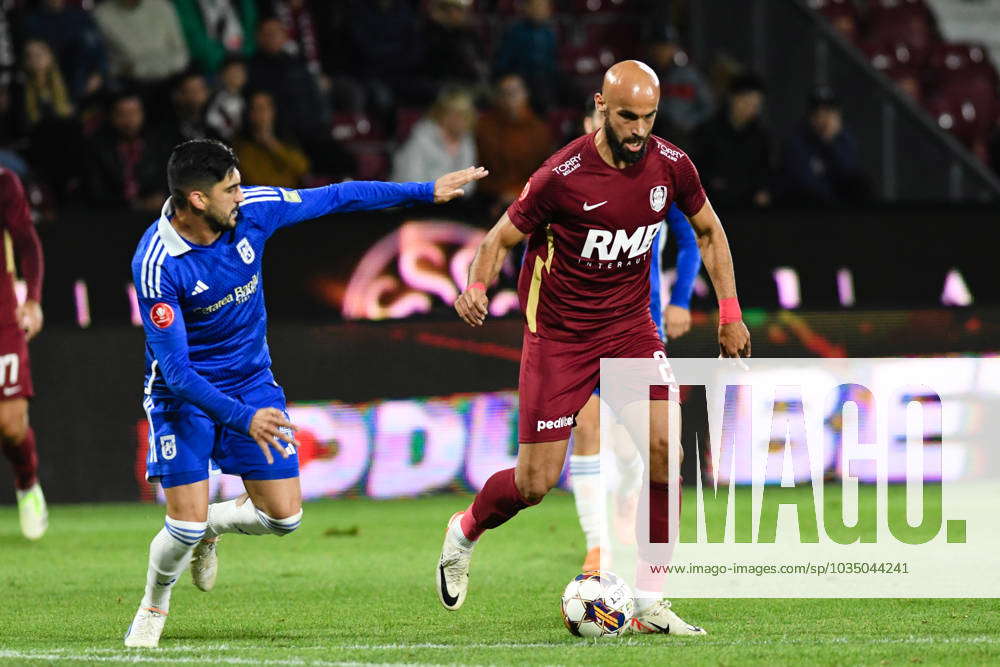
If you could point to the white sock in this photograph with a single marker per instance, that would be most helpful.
(230, 517)
(585, 471)
(629, 475)
(646, 599)
(168, 556)
(456, 534)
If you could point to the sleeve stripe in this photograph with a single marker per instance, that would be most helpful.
(147, 272)
(258, 199)
(145, 263)
(159, 267)
(257, 189)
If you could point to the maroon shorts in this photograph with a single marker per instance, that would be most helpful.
(558, 377)
(15, 370)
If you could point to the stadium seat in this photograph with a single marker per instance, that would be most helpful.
(601, 6)
(968, 119)
(908, 24)
(374, 162)
(348, 127)
(406, 118)
(965, 60)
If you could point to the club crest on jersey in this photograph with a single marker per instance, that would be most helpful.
(168, 447)
(246, 251)
(658, 198)
(162, 315)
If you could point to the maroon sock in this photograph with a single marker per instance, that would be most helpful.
(494, 505)
(24, 460)
(655, 557)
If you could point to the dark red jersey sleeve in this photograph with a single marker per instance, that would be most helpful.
(690, 195)
(533, 208)
(16, 217)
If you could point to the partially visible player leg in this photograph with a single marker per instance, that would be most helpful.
(273, 502)
(17, 441)
(505, 494)
(184, 526)
(585, 473)
(653, 611)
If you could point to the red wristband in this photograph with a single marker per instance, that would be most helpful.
(479, 286)
(729, 310)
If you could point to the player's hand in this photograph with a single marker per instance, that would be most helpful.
(471, 306)
(734, 339)
(678, 321)
(449, 186)
(30, 318)
(264, 429)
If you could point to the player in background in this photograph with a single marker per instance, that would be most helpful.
(590, 213)
(585, 461)
(210, 396)
(18, 325)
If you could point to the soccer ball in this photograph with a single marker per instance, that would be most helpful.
(597, 604)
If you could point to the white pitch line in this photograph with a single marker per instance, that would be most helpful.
(147, 657)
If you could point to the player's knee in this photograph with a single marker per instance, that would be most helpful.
(13, 428)
(535, 484)
(281, 522)
(586, 438)
(659, 457)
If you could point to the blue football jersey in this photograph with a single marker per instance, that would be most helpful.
(203, 306)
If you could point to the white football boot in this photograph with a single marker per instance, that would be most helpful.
(146, 628)
(661, 619)
(452, 575)
(205, 565)
(33, 512)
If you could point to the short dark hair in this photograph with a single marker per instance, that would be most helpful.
(198, 164)
(747, 82)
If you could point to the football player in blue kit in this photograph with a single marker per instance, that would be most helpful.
(210, 397)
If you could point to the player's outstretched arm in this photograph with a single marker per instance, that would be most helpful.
(450, 185)
(471, 304)
(734, 339)
(677, 315)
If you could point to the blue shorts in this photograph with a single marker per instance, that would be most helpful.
(185, 444)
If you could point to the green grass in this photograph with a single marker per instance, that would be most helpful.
(332, 595)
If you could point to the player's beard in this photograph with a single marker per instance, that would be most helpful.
(219, 222)
(618, 150)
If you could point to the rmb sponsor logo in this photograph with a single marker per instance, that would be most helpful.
(568, 167)
(543, 425)
(619, 248)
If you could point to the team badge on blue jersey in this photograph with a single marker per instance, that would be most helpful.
(246, 251)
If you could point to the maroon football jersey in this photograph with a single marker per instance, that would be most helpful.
(21, 244)
(591, 229)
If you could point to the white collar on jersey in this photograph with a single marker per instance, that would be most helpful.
(171, 239)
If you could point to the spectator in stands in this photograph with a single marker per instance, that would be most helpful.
(215, 29)
(189, 97)
(125, 159)
(285, 75)
(821, 162)
(144, 40)
(300, 24)
(733, 151)
(76, 41)
(440, 142)
(265, 159)
(46, 116)
(511, 139)
(45, 95)
(227, 106)
(685, 96)
(387, 65)
(528, 48)
(454, 50)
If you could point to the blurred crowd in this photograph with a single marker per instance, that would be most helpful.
(93, 95)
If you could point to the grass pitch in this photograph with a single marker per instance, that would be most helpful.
(355, 585)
